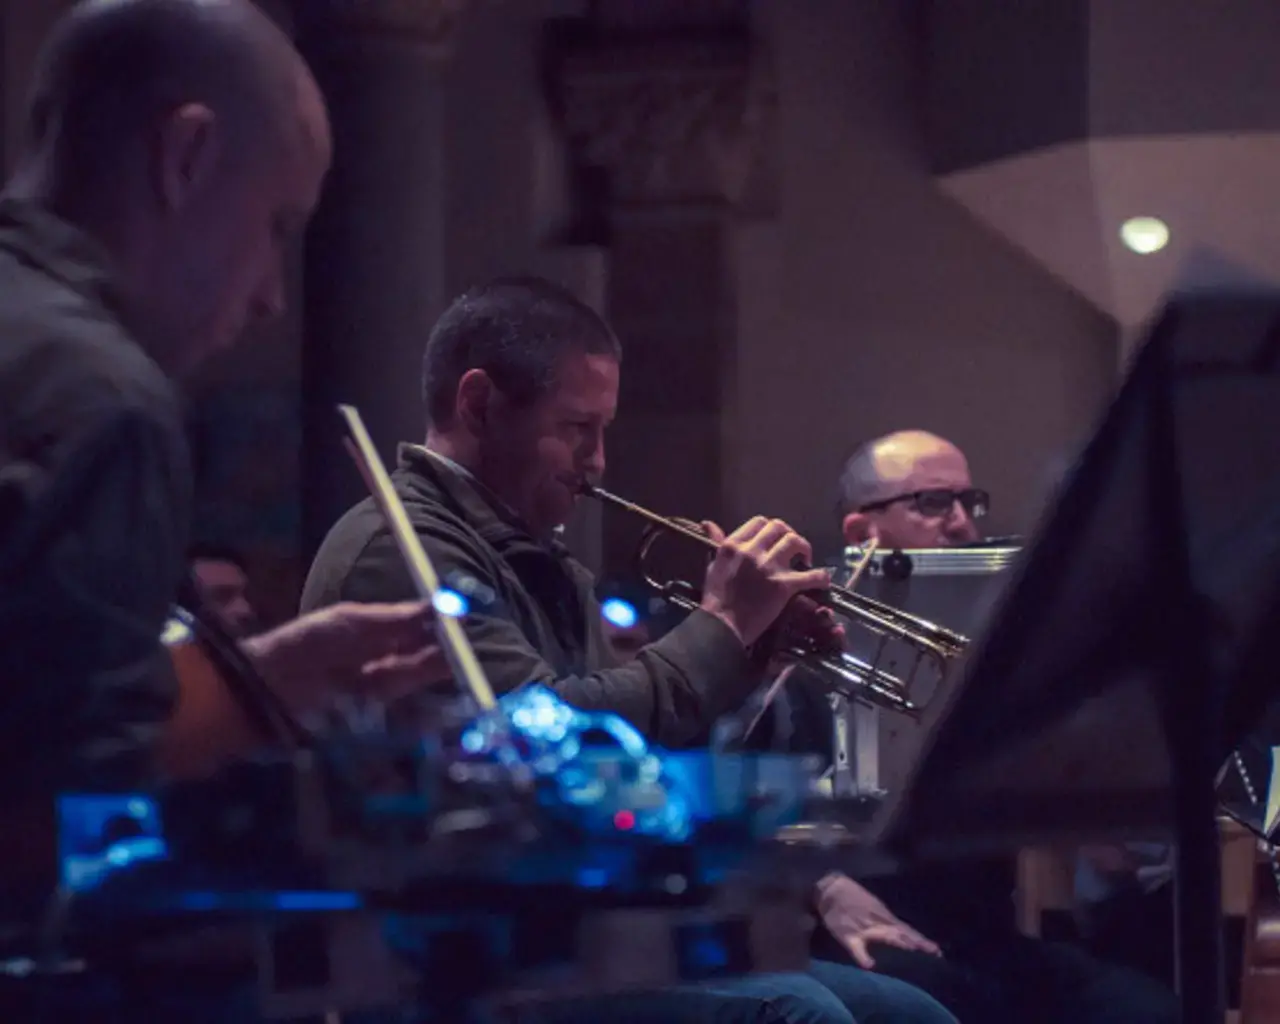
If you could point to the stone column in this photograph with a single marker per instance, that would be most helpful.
(374, 270)
(665, 131)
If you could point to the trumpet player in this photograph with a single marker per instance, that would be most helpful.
(951, 931)
(520, 383)
(501, 468)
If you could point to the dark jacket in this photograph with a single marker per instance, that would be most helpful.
(544, 624)
(94, 508)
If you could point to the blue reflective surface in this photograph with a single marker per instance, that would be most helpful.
(619, 787)
(101, 833)
(605, 812)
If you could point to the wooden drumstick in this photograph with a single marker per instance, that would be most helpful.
(453, 638)
(873, 542)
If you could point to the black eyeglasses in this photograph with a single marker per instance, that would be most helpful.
(935, 502)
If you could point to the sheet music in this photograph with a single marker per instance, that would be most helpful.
(1056, 727)
(1273, 795)
(457, 647)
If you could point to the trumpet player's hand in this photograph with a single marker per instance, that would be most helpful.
(806, 618)
(751, 579)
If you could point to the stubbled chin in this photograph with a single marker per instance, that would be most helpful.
(564, 511)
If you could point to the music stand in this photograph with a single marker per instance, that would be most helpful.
(1138, 613)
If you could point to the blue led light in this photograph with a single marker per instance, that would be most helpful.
(102, 833)
(140, 809)
(130, 851)
(288, 901)
(620, 613)
(702, 951)
(450, 602)
(317, 901)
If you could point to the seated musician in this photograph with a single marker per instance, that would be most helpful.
(222, 580)
(169, 149)
(912, 489)
(1124, 905)
(520, 382)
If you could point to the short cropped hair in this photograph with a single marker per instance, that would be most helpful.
(201, 551)
(108, 71)
(516, 329)
(859, 479)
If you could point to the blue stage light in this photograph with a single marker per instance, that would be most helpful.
(619, 612)
(450, 602)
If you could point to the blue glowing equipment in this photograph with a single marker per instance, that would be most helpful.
(616, 787)
(619, 612)
(102, 833)
(451, 603)
(536, 794)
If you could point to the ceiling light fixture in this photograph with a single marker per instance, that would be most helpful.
(1144, 235)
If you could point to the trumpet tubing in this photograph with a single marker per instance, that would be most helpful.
(931, 645)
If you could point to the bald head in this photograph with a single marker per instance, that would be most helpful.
(111, 68)
(151, 121)
(879, 483)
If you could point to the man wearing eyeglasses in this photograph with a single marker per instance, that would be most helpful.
(910, 489)
(956, 937)
(913, 489)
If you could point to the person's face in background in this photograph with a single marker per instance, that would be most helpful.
(924, 498)
(224, 587)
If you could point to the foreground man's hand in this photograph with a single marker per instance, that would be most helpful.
(806, 619)
(750, 580)
(857, 918)
(375, 651)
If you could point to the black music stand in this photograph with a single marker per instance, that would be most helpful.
(1139, 612)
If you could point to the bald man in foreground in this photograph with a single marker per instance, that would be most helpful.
(950, 930)
(171, 152)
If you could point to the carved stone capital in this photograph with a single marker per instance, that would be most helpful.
(670, 122)
(430, 24)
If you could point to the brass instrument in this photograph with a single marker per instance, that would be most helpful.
(929, 644)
